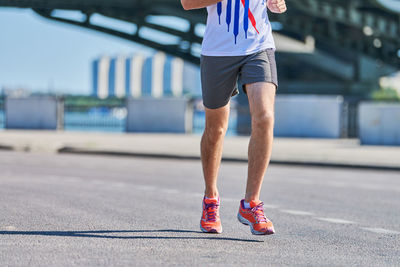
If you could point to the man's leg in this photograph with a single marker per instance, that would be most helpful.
(261, 102)
(211, 147)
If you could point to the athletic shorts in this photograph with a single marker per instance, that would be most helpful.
(220, 75)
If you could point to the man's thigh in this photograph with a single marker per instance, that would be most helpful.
(261, 97)
(217, 118)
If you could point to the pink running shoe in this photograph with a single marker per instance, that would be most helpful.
(255, 218)
(210, 221)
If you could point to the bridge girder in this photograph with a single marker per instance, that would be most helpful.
(356, 27)
(347, 28)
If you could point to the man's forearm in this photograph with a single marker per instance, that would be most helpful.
(195, 4)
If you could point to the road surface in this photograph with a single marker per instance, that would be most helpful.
(80, 210)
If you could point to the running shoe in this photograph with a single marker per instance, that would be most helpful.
(255, 218)
(210, 221)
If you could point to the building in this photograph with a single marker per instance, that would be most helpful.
(158, 75)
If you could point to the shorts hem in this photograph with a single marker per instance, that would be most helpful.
(217, 106)
(258, 81)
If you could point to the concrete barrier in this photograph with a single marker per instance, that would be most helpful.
(37, 112)
(379, 123)
(162, 115)
(308, 116)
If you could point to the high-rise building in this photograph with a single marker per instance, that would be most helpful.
(137, 75)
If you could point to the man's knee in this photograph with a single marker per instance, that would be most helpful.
(214, 133)
(263, 120)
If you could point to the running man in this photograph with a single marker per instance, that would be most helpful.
(238, 46)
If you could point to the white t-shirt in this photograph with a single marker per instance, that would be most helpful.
(233, 31)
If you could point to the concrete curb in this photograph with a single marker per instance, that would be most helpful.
(71, 150)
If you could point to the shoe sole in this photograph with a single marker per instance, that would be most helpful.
(213, 231)
(254, 232)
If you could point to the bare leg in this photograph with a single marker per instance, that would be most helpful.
(211, 147)
(261, 101)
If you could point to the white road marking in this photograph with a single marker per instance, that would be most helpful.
(335, 220)
(298, 212)
(270, 206)
(380, 231)
(341, 184)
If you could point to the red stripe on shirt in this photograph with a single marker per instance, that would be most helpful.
(251, 18)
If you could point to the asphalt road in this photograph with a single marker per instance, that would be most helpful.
(77, 210)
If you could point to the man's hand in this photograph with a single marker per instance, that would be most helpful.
(277, 6)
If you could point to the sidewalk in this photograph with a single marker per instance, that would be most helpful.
(299, 151)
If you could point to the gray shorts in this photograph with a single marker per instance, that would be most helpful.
(220, 75)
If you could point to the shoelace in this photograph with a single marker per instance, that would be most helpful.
(211, 211)
(258, 211)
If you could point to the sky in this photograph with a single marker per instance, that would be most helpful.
(391, 4)
(42, 55)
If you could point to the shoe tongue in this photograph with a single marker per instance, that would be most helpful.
(254, 203)
(211, 200)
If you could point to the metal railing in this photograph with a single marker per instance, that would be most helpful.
(110, 115)
(92, 114)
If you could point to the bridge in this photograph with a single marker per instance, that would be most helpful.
(354, 41)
